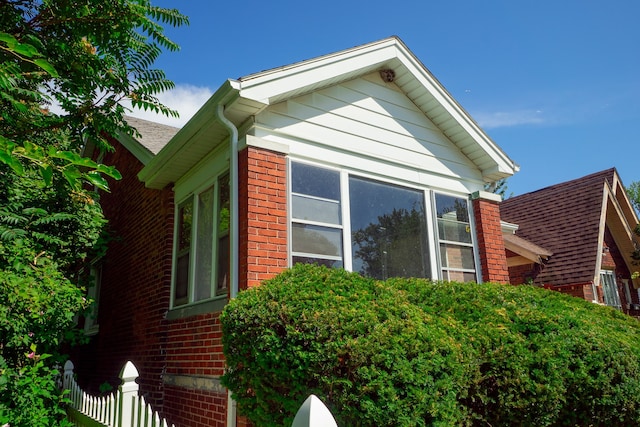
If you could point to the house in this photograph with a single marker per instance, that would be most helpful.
(576, 237)
(358, 159)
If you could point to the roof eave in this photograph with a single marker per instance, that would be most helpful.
(154, 173)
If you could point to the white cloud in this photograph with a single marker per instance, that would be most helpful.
(499, 119)
(186, 99)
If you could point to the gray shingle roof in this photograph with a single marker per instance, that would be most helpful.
(154, 135)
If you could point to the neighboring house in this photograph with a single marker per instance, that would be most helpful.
(575, 237)
(358, 159)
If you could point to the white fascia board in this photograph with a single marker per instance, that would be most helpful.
(153, 170)
(265, 86)
(504, 164)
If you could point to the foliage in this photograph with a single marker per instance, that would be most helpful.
(499, 187)
(86, 57)
(29, 395)
(633, 191)
(82, 57)
(411, 352)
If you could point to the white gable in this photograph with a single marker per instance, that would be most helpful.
(340, 101)
(369, 125)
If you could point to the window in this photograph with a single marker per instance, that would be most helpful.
(201, 269)
(93, 293)
(454, 237)
(610, 289)
(378, 229)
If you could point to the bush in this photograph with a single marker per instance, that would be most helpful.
(411, 352)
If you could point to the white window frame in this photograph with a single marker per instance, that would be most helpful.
(604, 275)
(439, 241)
(91, 326)
(192, 196)
(430, 218)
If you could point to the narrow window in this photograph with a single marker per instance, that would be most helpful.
(202, 245)
(316, 230)
(454, 237)
(224, 209)
(610, 289)
(185, 220)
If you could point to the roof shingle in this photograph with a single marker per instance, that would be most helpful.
(565, 219)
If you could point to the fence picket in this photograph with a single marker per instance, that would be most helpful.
(122, 408)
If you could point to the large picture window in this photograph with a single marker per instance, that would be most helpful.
(376, 228)
(202, 245)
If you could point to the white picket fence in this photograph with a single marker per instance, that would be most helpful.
(313, 413)
(122, 408)
(125, 408)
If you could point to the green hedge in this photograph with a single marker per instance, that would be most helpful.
(411, 352)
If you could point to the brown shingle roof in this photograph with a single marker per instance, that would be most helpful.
(565, 219)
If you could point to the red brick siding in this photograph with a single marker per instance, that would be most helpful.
(493, 260)
(194, 349)
(194, 346)
(520, 274)
(584, 290)
(136, 282)
(263, 215)
(195, 408)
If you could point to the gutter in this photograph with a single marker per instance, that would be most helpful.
(235, 232)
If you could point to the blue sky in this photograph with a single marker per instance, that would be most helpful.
(556, 84)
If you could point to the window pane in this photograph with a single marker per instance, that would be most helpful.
(452, 208)
(223, 235)
(459, 276)
(315, 210)
(315, 181)
(185, 218)
(204, 246)
(182, 280)
(224, 205)
(313, 239)
(455, 256)
(331, 263)
(454, 231)
(389, 237)
(223, 265)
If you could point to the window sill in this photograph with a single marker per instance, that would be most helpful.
(204, 307)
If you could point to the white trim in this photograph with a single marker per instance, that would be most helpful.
(265, 144)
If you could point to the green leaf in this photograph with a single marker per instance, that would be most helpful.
(12, 162)
(47, 174)
(109, 171)
(98, 180)
(8, 39)
(72, 175)
(25, 49)
(45, 65)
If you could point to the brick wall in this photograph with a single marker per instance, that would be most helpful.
(493, 260)
(193, 394)
(521, 274)
(263, 215)
(135, 285)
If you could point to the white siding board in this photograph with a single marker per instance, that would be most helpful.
(408, 112)
(369, 125)
(355, 126)
(383, 116)
(377, 168)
